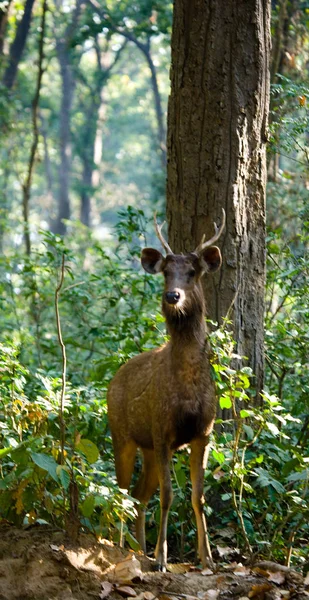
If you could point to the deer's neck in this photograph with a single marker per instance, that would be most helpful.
(187, 327)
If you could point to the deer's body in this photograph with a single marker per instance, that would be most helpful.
(163, 399)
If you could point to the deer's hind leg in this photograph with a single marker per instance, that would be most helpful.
(124, 454)
(144, 489)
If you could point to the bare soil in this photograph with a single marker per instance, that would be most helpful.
(40, 563)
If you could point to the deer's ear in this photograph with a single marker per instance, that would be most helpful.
(152, 260)
(211, 259)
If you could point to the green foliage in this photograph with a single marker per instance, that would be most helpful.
(104, 299)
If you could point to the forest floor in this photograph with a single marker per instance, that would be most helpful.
(39, 563)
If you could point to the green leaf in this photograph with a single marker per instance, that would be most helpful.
(273, 428)
(249, 431)
(225, 402)
(133, 543)
(87, 507)
(298, 476)
(89, 449)
(12, 449)
(218, 456)
(47, 463)
(245, 413)
(5, 451)
(225, 497)
(64, 476)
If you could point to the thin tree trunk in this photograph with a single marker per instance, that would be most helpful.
(47, 161)
(278, 39)
(18, 45)
(4, 205)
(157, 102)
(35, 108)
(64, 209)
(92, 136)
(98, 143)
(217, 130)
(85, 195)
(63, 49)
(4, 14)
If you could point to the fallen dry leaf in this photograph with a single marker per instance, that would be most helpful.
(57, 548)
(148, 596)
(107, 588)
(207, 572)
(276, 577)
(178, 568)
(128, 569)
(125, 590)
(259, 589)
(224, 550)
(241, 570)
(306, 580)
(209, 595)
(190, 574)
(260, 571)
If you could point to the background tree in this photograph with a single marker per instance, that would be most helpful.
(66, 57)
(18, 44)
(217, 131)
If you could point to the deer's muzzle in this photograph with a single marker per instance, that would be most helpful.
(172, 297)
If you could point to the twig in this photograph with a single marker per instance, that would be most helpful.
(64, 364)
(69, 287)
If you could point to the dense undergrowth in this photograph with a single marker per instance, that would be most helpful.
(56, 457)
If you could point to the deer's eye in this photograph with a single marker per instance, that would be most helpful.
(191, 273)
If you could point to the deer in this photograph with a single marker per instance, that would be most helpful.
(164, 399)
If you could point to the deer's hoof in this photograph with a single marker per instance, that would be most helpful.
(159, 567)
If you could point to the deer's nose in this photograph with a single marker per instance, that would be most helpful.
(172, 297)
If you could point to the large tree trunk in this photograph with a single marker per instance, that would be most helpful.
(18, 45)
(217, 123)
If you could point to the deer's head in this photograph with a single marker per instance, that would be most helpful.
(182, 272)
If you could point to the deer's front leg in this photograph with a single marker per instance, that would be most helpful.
(163, 457)
(198, 460)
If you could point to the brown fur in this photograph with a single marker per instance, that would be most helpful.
(163, 399)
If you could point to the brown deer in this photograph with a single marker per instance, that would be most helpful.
(163, 399)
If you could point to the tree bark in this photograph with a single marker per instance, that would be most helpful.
(217, 130)
(18, 45)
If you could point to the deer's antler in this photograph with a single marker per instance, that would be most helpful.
(218, 230)
(158, 229)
